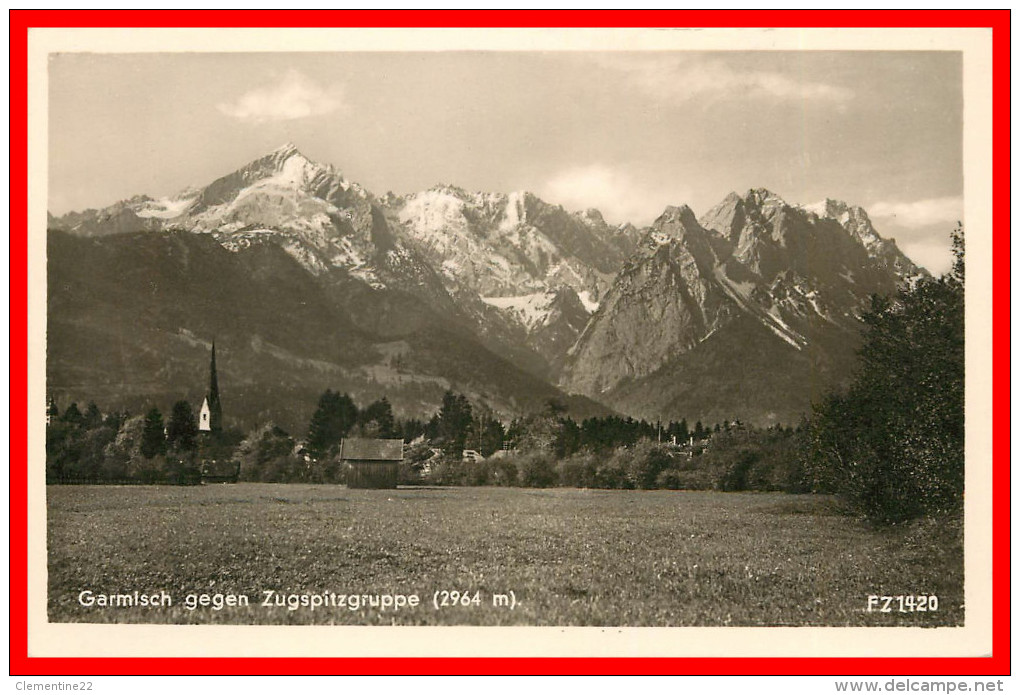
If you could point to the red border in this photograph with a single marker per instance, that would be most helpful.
(21, 21)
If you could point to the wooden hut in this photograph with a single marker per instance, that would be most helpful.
(373, 462)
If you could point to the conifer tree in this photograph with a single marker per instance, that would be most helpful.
(333, 419)
(153, 437)
(72, 416)
(92, 418)
(182, 430)
(454, 421)
(380, 415)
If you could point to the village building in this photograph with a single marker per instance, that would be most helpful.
(51, 410)
(374, 463)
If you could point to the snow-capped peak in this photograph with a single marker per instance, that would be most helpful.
(853, 218)
(286, 148)
(296, 170)
(763, 196)
(817, 208)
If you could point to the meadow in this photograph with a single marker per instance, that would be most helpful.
(569, 557)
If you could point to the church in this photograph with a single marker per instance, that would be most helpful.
(217, 464)
(210, 416)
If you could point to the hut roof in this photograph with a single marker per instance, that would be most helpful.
(356, 449)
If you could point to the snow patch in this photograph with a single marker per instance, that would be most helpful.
(296, 171)
(450, 269)
(165, 208)
(513, 214)
(785, 336)
(346, 256)
(708, 335)
(305, 258)
(368, 276)
(590, 305)
(532, 310)
(816, 208)
(740, 293)
(433, 211)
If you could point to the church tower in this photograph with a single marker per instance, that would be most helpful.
(210, 417)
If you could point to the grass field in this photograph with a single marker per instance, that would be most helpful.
(570, 557)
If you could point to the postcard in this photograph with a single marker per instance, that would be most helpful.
(576, 342)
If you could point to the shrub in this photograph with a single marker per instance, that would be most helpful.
(409, 473)
(670, 479)
(412, 468)
(147, 470)
(611, 472)
(502, 471)
(449, 471)
(689, 479)
(287, 468)
(578, 470)
(264, 456)
(183, 469)
(644, 461)
(535, 469)
(477, 473)
(327, 470)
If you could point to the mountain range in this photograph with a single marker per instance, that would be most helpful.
(308, 281)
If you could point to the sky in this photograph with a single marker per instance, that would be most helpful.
(625, 132)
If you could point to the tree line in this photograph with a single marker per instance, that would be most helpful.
(92, 446)
(891, 444)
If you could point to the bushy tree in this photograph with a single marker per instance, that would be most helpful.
(124, 457)
(416, 457)
(546, 432)
(646, 460)
(123, 450)
(501, 471)
(450, 471)
(893, 443)
(578, 469)
(92, 450)
(611, 472)
(535, 469)
(266, 455)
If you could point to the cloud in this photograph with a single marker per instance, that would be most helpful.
(292, 96)
(613, 192)
(684, 78)
(936, 255)
(919, 213)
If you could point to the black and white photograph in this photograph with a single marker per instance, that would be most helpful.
(632, 334)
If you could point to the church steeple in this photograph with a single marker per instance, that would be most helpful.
(213, 397)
